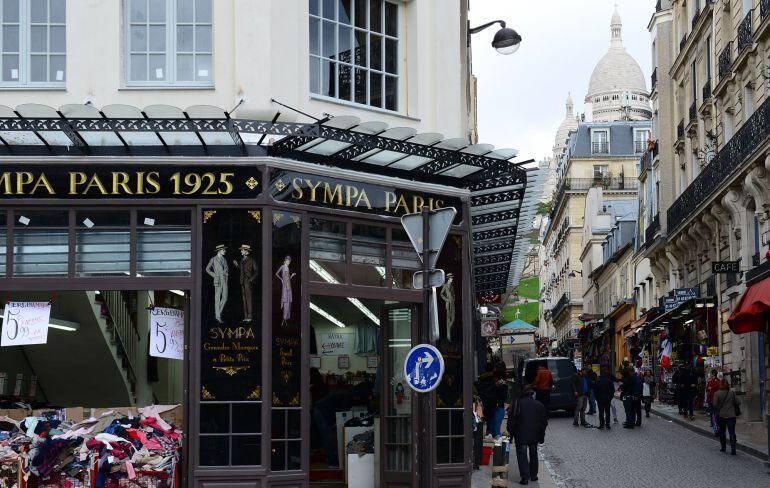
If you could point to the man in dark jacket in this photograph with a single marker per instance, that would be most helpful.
(627, 396)
(580, 388)
(527, 421)
(487, 391)
(687, 383)
(604, 389)
(638, 392)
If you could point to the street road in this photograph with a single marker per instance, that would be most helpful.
(659, 454)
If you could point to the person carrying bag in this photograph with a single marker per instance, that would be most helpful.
(728, 408)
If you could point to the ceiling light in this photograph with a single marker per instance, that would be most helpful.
(689, 321)
(698, 304)
(710, 304)
(329, 278)
(177, 292)
(323, 313)
(65, 325)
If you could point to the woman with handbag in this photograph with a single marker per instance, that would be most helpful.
(728, 408)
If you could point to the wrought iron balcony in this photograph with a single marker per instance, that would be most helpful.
(726, 60)
(707, 91)
(764, 9)
(692, 113)
(744, 33)
(600, 148)
(640, 146)
(654, 78)
(680, 130)
(752, 134)
(683, 42)
(560, 305)
(758, 272)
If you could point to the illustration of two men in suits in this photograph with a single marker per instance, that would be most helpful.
(218, 269)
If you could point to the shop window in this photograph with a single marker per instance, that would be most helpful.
(368, 266)
(397, 434)
(354, 51)
(231, 356)
(404, 260)
(3, 241)
(103, 243)
(450, 411)
(164, 243)
(286, 320)
(33, 47)
(41, 243)
(169, 42)
(328, 244)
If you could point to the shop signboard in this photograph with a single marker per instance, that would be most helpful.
(725, 267)
(167, 333)
(489, 328)
(25, 323)
(423, 368)
(678, 297)
(334, 343)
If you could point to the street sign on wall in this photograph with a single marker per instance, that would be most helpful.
(489, 328)
(725, 267)
(423, 368)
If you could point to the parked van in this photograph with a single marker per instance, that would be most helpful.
(562, 369)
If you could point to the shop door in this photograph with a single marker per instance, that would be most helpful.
(398, 441)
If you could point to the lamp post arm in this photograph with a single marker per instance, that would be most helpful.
(474, 30)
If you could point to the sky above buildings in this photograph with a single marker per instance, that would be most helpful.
(521, 96)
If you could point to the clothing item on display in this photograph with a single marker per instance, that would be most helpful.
(366, 338)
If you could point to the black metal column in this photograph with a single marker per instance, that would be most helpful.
(425, 400)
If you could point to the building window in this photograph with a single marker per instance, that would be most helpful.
(640, 140)
(169, 43)
(354, 51)
(616, 97)
(600, 142)
(606, 98)
(601, 170)
(33, 43)
(748, 101)
(728, 126)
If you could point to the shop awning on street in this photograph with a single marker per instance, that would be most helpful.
(751, 313)
(495, 182)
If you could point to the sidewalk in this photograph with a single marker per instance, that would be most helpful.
(752, 437)
(481, 478)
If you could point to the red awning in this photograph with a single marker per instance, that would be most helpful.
(750, 315)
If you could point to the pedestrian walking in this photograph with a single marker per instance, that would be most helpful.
(592, 377)
(688, 384)
(527, 421)
(542, 385)
(712, 386)
(501, 397)
(728, 407)
(604, 389)
(580, 390)
(638, 394)
(485, 387)
(613, 407)
(678, 393)
(648, 391)
(627, 397)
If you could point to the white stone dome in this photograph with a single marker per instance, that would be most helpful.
(616, 71)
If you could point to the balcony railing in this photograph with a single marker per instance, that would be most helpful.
(654, 78)
(764, 9)
(600, 147)
(640, 146)
(560, 305)
(707, 91)
(683, 42)
(744, 33)
(680, 130)
(692, 112)
(726, 60)
(752, 134)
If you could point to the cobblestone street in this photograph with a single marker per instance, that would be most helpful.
(660, 453)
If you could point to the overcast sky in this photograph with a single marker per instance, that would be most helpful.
(521, 96)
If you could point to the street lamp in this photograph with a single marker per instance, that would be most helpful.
(573, 275)
(506, 40)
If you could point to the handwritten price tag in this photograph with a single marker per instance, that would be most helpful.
(25, 323)
(167, 333)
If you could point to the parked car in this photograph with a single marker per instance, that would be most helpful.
(562, 369)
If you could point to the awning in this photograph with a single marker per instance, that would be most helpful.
(750, 315)
(517, 325)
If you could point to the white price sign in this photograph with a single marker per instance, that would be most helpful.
(167, 333)
(25, 323)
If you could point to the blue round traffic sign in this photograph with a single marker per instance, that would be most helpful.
(423, 368)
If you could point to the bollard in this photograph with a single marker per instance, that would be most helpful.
(500, 458)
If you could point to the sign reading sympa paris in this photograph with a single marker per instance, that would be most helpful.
(424, 368)
(25, 323)
(166, 333)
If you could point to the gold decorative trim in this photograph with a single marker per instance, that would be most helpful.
(256, 394)
(440, 402)
(207, 214)
(276, 400)
(277, 216)
(257, 214)
(206, 395)
(459, 402)
(252, 183)
(286, 376)
(294, 401)
(280, 185)
(232, 370)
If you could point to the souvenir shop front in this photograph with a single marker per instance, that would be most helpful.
(596, 344)
(686, 334)
(242, 320)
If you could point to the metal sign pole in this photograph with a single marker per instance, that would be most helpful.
(425, 400)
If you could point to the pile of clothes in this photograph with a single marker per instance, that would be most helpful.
(115, 449)
(361, 444)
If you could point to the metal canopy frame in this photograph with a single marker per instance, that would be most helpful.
(496, 183)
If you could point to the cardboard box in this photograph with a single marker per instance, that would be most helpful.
(17, 414)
